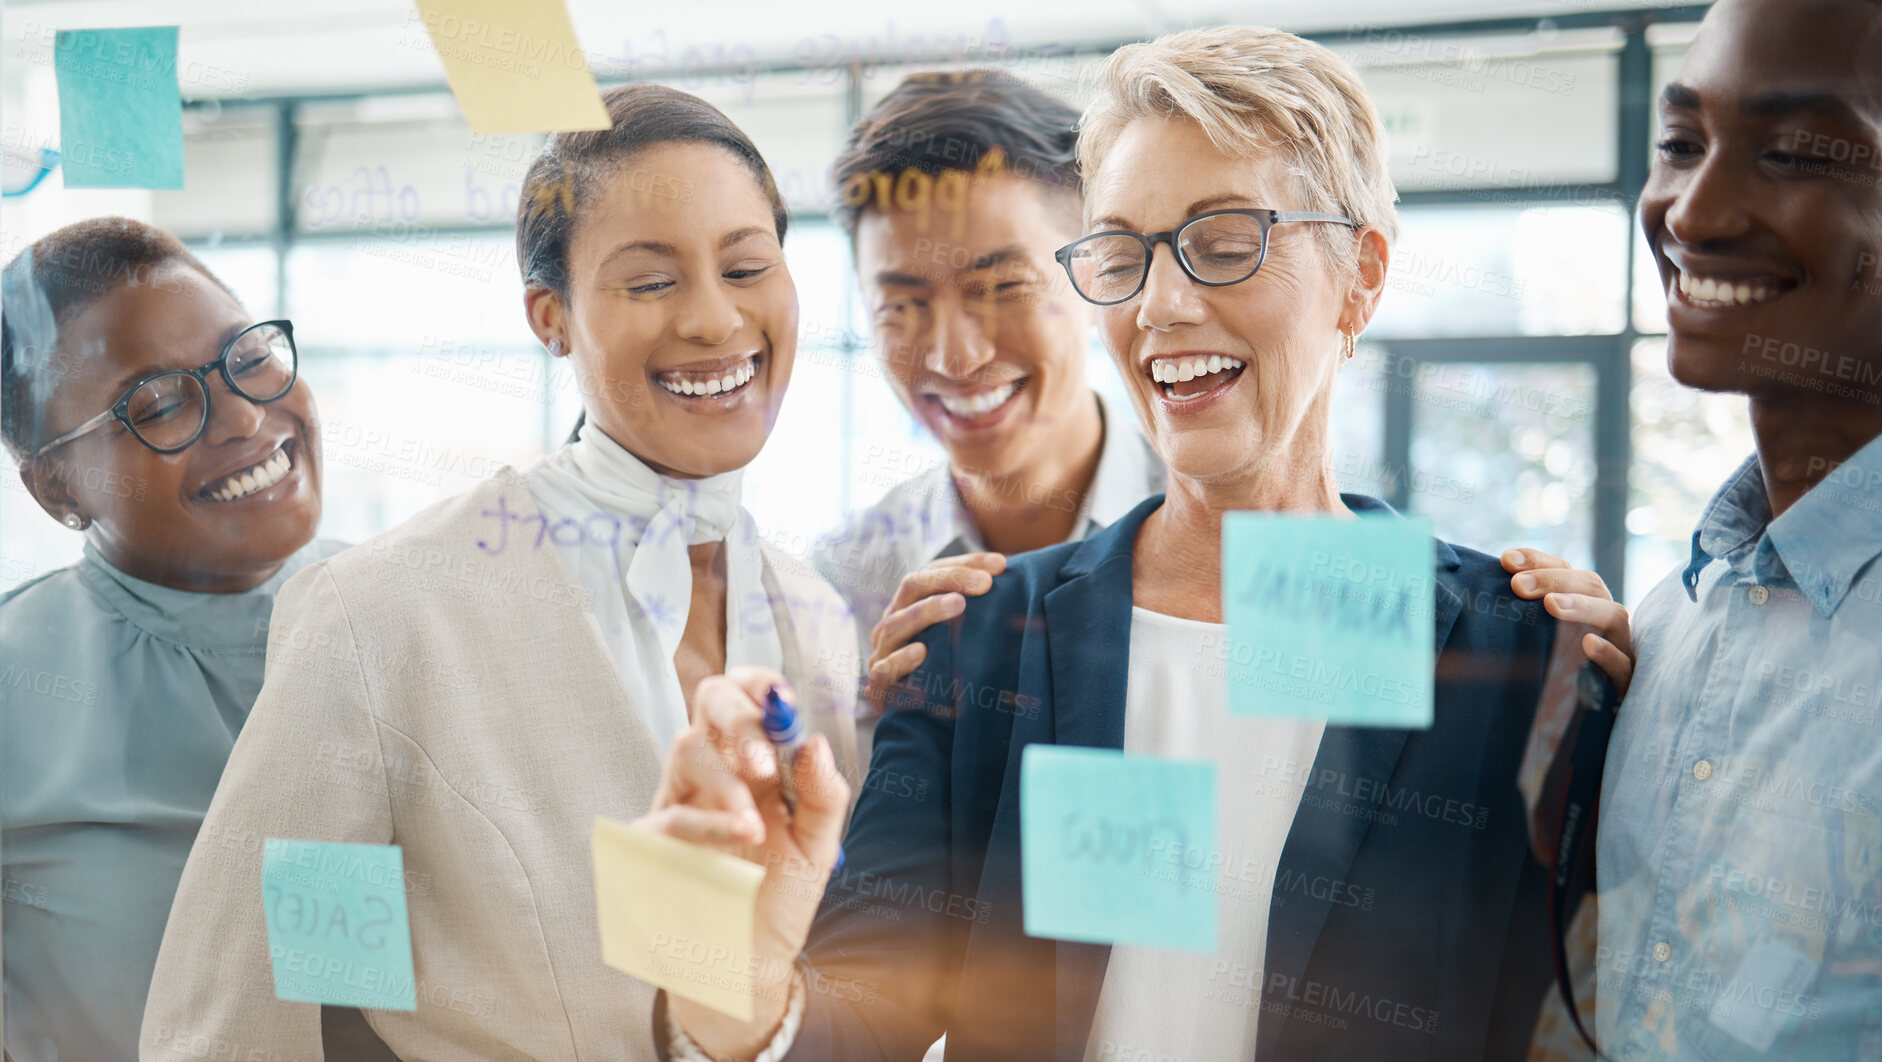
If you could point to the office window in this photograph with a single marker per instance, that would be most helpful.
(427, 376)
(386, 168)
(1685, 443)
(805, 477)
(229, 161)
(1449, 104)
(1503, 455)
(1490, 271)
(795, 120)
(249, 269)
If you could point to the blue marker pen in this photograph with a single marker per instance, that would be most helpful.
(786, 730)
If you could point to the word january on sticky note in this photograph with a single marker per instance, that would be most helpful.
(677, 916)
(514, 65)
(1329, 618)
(338, 931)
(120, 114)
(1114, 849)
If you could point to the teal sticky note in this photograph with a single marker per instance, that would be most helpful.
(1116, 849)
(120, 113)
(337, 926)
(1329, 617)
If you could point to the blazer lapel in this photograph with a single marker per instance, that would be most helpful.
(587, 650)
(1088, 630)
(1088, 621)
(1349, 774)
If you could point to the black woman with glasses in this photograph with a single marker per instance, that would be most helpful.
(1378, 898)
(150, 413)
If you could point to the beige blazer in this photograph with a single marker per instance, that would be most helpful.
(423, 692)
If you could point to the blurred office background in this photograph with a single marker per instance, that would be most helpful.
(1513, 386)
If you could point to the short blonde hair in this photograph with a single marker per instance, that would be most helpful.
(1255, 91)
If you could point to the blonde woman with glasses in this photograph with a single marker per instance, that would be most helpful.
(1239, 222)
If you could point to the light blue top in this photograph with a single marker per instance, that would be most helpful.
(1740, 844)
(119, 703)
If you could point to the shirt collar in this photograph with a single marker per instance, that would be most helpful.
(1734, 516)
(1822, 542)
(1128, 472)
(944, 527)
(227, 622)
(1833, 532)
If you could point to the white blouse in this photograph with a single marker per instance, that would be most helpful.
(622, 530)
(1193, 1006)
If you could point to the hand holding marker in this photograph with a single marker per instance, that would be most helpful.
(786, 730)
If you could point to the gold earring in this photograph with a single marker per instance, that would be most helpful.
(1350, 343)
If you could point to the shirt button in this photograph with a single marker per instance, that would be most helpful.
(1662, 951)
(1702, 770)
(1759, 595)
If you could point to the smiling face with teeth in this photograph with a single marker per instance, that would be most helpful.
(976, 331)
(219, 516)
(1234, 383)
(680, 315)
(1759, 215)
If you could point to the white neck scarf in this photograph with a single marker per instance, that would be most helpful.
(658, 517)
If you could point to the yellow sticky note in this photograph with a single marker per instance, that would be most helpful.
(514, 65)
(677, 916)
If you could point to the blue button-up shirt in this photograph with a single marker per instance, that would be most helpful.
(1740, 847)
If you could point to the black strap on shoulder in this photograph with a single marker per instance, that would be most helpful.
(1575, 781)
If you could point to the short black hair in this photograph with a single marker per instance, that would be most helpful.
(54, 279)
(940, 121)
(564, 178)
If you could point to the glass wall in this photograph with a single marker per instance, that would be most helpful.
(389, 244)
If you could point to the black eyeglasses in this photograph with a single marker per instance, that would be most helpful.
(1217, 249)
(168, 411)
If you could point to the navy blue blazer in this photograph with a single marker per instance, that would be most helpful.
(1447, 959)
